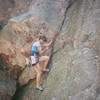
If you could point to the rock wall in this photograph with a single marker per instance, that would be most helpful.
(75, 68)
(21, 30)
(75, 64)
(7, 86)
(52, 11)
(12, 8)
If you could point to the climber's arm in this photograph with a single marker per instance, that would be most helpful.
(48, 44)
(42, 50)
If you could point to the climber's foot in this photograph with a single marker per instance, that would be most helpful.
(39, 88)
(46, 70)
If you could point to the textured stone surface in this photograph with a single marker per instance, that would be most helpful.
(20, 31)
(52, 11)
(15, 45)
(12, 8)
(74, 75)
(26, 75)
(7, 86)
(18, 36)
(75, 70)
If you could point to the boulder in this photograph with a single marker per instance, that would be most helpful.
(27, 74)
(16, 39)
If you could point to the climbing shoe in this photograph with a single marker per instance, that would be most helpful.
(46, 70)
(39, 88)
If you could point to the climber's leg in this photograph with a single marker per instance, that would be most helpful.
(44, 59)
(38, 76)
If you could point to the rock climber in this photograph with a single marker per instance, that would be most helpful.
(38, 48)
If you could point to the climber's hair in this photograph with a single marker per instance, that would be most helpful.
(44, 38)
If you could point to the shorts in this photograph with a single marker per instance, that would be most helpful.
(34, 58)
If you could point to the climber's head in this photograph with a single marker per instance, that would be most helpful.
(43, 39)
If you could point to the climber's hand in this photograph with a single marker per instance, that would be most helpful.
(51, 41)
(47, 48)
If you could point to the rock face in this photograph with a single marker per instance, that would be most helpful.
(52, 11)
(18, 37)
(20, 31)
(75, 70)
(26, 76)
(12, 8)
(75, 63)
(7, 86)
(7, 79)
(15, 45)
